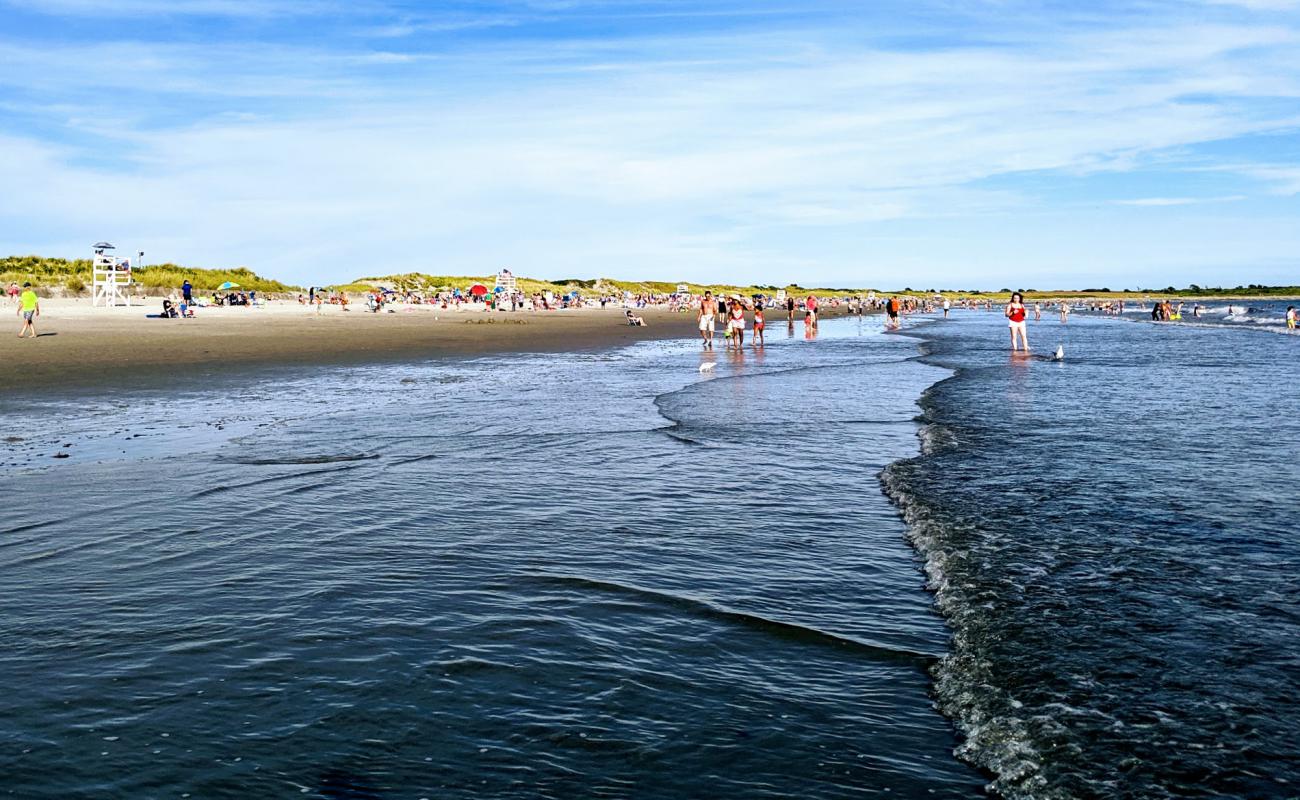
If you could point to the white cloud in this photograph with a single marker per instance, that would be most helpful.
(1285, 179)
(726, 157)
(141, 8)
(1178, 201)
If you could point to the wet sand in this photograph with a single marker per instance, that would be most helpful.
(84, 347)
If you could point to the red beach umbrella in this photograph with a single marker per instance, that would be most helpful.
(478, 290)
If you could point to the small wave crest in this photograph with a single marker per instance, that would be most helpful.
(756, 622)
(994, 737)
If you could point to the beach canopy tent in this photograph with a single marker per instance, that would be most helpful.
(227, 285)
(478, 290)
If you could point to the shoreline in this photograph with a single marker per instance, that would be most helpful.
(81, 348)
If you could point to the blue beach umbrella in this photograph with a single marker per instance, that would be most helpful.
(227, 285)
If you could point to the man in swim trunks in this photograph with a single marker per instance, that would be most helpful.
(705, 316)
(29, 306)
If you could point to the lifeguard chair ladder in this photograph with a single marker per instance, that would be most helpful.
(110, 279)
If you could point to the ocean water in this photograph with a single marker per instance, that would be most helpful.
(609, 574)
(600, 574)
(1263, 315)
(1115, 542)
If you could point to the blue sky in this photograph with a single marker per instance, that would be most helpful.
(923, 143)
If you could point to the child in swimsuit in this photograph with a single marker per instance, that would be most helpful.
(758, 326)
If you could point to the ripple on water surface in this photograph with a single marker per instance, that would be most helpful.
(580, 575)
(1111, 540)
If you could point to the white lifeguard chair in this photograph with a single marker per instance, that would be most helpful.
(110, 278)
(506, 280)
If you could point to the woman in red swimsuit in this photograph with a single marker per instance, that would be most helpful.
(1015, 312)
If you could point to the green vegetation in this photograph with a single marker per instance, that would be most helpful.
(1253, 290)
(73, 276)
(421, 282)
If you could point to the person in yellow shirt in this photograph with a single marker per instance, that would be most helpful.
(29, 307)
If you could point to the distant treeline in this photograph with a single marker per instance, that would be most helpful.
(1253, 290)
(73, 276)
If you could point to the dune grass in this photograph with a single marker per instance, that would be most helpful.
(73, 276)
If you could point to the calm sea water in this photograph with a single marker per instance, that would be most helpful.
(611, 575)
(1115, 541)
(583, 575)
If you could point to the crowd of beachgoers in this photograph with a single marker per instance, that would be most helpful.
(732, 314)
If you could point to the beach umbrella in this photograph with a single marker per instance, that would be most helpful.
(104, 246)
(478, 290)
(227, 285)
(497, 290)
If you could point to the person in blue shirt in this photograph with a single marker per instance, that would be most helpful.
(187, 292)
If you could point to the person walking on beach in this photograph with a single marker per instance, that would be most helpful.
(187, 292)
(1015, 312)
(758, 326)
(1065, 312)
(13, 294)
(29, 306)
(946, 305)
(1038, 312)
(789, 309)
(705, 317)
(811, 305)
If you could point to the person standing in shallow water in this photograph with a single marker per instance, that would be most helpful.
(707, 313)
(1015, 312)
(736, 324)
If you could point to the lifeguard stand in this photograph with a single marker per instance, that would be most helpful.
(110, 278)
(506, 280)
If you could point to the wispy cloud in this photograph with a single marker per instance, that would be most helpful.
(164, 8)
(1178, 201)
(735, 153)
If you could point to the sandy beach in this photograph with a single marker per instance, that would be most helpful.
(80, 346)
